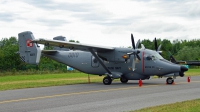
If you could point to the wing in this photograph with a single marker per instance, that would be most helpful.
(72, 45)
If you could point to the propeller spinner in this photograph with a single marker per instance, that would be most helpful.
(134, 52)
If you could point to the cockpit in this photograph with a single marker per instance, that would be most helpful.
(153, 56)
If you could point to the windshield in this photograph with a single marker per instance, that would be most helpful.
(154, 56)
(158, 56)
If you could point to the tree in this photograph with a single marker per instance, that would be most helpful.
(74, 41)
(148, 44)
(9, 58)
(188, 53)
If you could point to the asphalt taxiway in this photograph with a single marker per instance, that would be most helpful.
(98, 97)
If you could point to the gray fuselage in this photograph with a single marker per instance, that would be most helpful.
(151, 64)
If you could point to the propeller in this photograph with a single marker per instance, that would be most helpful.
(156, 46)
(134, 52)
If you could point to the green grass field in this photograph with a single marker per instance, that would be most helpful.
(186, 106)
(192, 72)
(43, 80)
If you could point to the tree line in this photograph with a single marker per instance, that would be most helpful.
(180, 49)
(10, 60)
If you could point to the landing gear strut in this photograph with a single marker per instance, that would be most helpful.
(170, 80)
(107, 80)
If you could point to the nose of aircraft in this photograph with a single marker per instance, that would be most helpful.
(183, 68)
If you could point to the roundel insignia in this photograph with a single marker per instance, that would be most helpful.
(28, 43)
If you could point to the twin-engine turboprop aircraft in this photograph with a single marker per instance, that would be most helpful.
(113, 62)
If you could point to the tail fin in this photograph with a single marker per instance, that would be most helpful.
(172, 59)
(29, 52)
(61, 38)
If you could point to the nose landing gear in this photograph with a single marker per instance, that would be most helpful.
(169, 80)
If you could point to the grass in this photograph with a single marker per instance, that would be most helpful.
(31, 81)
(192, 72)
(43, 80)
(186, 106)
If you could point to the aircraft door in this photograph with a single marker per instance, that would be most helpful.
(94, 62)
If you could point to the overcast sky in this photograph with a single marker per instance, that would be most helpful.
(102, 22)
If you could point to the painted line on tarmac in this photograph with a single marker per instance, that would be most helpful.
(69, 94)
(86, 92)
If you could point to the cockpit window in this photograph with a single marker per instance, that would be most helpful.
(158, 56)
(154, 56)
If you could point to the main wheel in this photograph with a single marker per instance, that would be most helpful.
(170, 80)
(107, 80)
(123, 80)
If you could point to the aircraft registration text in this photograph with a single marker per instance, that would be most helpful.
(73, 55)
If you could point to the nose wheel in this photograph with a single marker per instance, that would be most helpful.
(170, 80)
(107, 80)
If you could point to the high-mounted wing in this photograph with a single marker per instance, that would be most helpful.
(72, 45)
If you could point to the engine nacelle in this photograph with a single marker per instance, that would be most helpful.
(115, 55)
(61, 38)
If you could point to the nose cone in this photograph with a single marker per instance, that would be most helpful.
(183, 68)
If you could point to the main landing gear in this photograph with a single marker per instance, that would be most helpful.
(123, 80)
(107, 80)
(170, 80)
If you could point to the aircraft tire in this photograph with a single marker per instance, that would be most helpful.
(107, 80)
(123, 80)
(170, 80)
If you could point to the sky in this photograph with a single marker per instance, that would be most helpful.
(102, 22)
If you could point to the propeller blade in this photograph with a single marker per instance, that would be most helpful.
(134, 52)
(137, 44)
(159, 47)
(133, 64)
(130, 53)
(155, 43)
(133, 42)
(142, 46)
(138, 57)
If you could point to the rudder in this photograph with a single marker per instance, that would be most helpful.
(29, 52)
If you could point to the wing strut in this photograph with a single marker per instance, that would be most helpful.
(95, 55)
